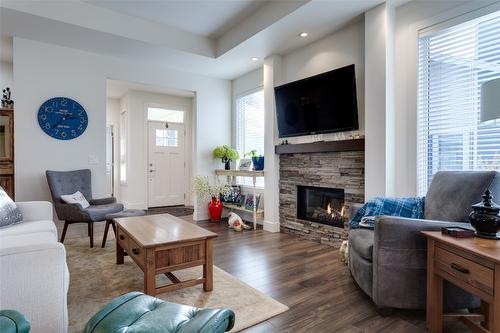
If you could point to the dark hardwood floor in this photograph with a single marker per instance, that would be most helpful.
(308, 277)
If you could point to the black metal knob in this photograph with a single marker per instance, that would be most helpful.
(135, 251)
(122, 237)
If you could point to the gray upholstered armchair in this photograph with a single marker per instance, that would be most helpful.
(389, 263)
(68, 182)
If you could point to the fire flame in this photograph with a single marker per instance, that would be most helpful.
(329, 209)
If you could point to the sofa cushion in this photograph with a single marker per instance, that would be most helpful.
(9, 213)
(27, 239)
(452, 193)
(136, 313)
(29, 227)
(361, 241)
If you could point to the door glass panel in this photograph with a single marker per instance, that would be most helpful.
(166, 138)
(166, 115)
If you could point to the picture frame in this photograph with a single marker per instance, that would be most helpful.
(245, 164)
(249, 201)
(240, 200)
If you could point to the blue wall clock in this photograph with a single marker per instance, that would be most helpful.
(62, 118)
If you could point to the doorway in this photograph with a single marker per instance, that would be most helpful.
(110, 152)
(166, 157)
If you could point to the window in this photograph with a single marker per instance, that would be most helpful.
(166, 115)
(166, 138)
(453, 64)
(250, 127)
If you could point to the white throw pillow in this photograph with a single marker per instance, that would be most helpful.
(76, 197)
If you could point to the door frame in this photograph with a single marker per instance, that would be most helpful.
(115, 128)
(188, 144)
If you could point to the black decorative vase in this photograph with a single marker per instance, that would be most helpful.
(227, 165)
(484, 217)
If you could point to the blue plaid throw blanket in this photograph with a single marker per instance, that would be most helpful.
(404, 207)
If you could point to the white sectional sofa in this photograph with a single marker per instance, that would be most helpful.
(34, 278)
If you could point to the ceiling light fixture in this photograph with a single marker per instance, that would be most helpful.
(303, 34)
(255, 58)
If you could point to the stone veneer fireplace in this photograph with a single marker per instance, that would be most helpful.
(336, 178)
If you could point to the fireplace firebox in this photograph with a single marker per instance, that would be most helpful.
(321, 205)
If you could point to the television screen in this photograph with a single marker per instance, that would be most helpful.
(323, 103)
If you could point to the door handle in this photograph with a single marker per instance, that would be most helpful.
(151, 170)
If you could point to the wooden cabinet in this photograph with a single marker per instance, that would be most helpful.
(7, 151)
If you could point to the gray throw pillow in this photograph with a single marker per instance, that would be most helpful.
(9, 213)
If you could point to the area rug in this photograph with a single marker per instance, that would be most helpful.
(174, 210)
(96, 279)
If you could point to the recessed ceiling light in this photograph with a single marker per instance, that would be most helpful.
(255, 58)
(303, 34)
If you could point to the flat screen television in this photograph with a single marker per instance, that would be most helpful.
(324, 103)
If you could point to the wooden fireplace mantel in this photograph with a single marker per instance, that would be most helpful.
(321, 147)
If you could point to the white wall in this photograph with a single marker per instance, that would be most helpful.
(113, 119)
(42, 71)
(135, 192)
(344, 47)
(6, 76)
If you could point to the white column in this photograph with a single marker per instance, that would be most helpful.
(272, 77)
(379, 102)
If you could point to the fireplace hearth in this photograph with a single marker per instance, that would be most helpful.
(321, 205)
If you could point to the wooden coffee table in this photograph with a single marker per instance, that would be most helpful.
(161, 244)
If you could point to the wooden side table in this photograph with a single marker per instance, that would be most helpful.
(472, 264)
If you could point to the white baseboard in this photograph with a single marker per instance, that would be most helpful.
(271, 226)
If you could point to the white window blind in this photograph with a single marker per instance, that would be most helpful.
(453, 63)
(250, 127)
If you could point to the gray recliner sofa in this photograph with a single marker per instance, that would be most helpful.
(389, 263)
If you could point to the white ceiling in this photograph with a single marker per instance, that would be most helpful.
(117, 89)
(207, 18)
(208, 37)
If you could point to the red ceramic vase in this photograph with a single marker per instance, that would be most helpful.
(215, 209)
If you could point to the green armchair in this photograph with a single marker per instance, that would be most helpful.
(137, 313)
(12, 321)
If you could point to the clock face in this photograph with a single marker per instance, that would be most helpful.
(62, 118)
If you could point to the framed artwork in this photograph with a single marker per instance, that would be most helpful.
(240, 200)
(245, 164)
(249, 201)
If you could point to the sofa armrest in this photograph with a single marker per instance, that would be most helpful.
(393, 232)
(34, 280)
(12, 321)
(36, 210)
(400, 262)
(102, 201)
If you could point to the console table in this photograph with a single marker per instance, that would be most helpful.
(232, 174)
(472, 264)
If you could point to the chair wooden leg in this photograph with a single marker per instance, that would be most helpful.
(88, 229)
(114, 226)
(106, 228)
(91, 232)
(64, 231)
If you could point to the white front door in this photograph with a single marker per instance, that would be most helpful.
(166, 164)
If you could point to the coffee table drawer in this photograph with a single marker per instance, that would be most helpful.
(136, 252)
(474, 274)
(122, 238)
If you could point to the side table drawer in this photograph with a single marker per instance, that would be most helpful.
(468, 271)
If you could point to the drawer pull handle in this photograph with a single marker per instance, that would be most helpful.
(459, 268)
(122, 237)
(135, 251)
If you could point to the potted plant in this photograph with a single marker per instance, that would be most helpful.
(226, 154)
(257, 160)
(205, 191)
